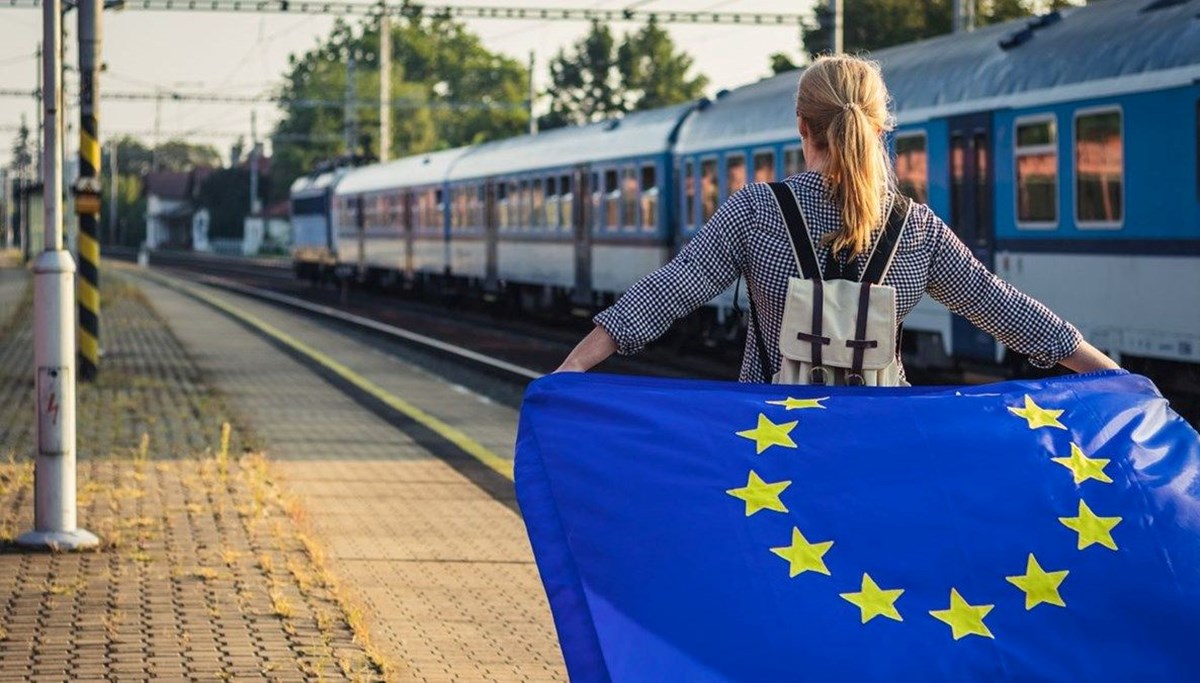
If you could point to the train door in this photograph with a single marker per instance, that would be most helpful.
(581, 221)
(972, 215)
(360, 229)
(491, 236)
(406, 226)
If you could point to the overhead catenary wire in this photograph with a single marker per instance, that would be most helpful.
(208, 98)
(343, 8)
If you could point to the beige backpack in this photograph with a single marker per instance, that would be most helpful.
(838, 328)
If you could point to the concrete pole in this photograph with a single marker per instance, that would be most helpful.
(255, 203)
(838, 28)
(37, 94)
(533, 124)
(113, 180)
(350, 122)
(385, 83)
(54, 339)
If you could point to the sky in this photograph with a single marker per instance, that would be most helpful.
(246, 54)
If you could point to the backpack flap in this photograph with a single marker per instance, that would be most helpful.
(838, 310)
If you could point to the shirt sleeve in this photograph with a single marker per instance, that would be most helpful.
(704, 268)
(964, 285)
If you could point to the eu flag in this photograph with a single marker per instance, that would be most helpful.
(709, 531)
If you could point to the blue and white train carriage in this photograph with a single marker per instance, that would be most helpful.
(391, 219)
(1063, 150)
(519, 230)
(313, 242)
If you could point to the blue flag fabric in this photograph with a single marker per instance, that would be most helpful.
(707, 531)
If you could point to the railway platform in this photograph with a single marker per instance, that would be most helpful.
(355, 520)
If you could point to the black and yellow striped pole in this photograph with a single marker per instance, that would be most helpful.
(87, 191)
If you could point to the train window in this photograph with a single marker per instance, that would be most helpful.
(1099, 169)
(912, 167)
(612, 201)
(708, 187)
(439, 217)
(629, 199)
(649, 198)
(764, 167)
(597, 191)
(1037, 172)
(566, 202)
(537, 207)
(689, 194)
(480, 207)
(735, 174)
(551, 211)
(502, 217)
(793, 161)
(523, 202)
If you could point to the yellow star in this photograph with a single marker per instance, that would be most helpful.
(1083, 467)
(759, 495)
(803, 556)
(964, 619)
(1039, 585)
(768, 434)
(1037, 415)
(790, 403)
(1092, 529)
(874, 602)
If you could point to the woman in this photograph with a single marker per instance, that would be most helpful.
(841, 111)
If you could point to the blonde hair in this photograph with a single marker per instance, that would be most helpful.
(844, 102)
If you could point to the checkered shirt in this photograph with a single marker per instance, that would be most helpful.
(747, 238)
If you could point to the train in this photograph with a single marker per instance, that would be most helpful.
(1064, 149)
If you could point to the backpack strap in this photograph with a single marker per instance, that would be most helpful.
(764, 364)
(885, 247)
(806, 261)
(802, 246)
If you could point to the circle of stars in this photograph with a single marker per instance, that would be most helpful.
(964, 619)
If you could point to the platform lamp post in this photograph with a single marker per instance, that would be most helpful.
(54, 332)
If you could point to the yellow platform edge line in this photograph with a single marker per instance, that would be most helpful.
(456, 436)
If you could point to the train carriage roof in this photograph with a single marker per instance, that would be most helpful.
(1078, 56)
(638, 134)
(413, 171)
(314, 183)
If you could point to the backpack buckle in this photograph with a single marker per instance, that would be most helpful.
(854, 379)
(816, 375)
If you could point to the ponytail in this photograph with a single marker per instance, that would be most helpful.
(844, 102)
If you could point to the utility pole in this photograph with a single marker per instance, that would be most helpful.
(157, 124)
(87, 190)
(533, 125)
(113, 180)
(350, 124)
(37, 96)
(54, 519)
(255, 203)
(836, 8)
(385, 82)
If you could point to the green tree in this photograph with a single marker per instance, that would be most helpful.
(447, 90)
(782, 63)
(226, 195)
(585, 81)
(599, 78)
(22, 150)
(654, 73)
(875, 24)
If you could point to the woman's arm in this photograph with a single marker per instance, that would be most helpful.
(964, 285)
(705, 267)
(1088, 358)
(589, 352)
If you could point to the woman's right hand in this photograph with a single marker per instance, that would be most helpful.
(589, 352)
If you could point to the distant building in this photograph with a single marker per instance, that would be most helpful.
(170, 206)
